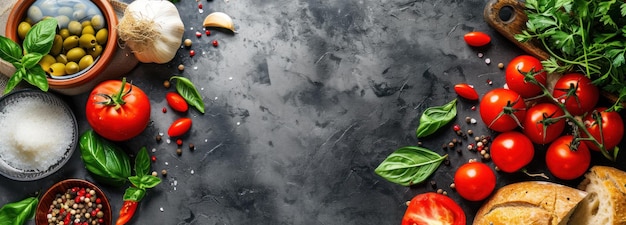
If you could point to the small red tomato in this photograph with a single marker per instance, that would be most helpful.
(567, 160)
(502, 109)
(474, 181)
(577, 92)
(433, 208)
(466, 91)
(215, 44)
(179, 127)
(516, 72)
(511, 151)
(612, 131)
(176, 101)
(541, 125)
(477, 39)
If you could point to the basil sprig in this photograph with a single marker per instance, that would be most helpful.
(188, 91)
(106, 161)
(17, 213)
(141, 181)
(436, 117)
(37, 43)
(409, 165)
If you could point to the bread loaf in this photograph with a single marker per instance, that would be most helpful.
(606, 200)
(530, 203)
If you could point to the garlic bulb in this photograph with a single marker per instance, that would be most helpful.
(152, 29)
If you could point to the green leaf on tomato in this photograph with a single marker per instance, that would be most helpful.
(18, 212)
(106, 161)
(185, 88)
(436, 117)
(409, 165)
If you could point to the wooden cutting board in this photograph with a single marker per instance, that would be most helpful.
(508, 18)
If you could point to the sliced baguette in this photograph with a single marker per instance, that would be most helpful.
(606, 202)
(530, 203)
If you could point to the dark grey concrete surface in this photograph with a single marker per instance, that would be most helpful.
(302, 104)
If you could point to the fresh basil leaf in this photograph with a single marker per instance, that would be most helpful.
(135, 180)
(17, 77)
(37, 77)
(106, 161)
(148, 181)
(436, 117)
(188, 91)
(409, 165)
(134, 194)
(40, 37)
(31, 59)
(9, 50)
(142, 162)
(17, 213)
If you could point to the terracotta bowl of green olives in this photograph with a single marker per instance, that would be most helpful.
(85, 40)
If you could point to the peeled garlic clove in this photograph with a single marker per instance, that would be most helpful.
(220, 20)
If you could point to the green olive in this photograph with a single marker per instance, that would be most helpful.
(85, 62)
(62, 21)
(34, 13)
(61, 58)
(86, 23)
(88, 30)
(46, 61)
(87, 41)
(29, 21)
(57, 45)
(70, 42)
(102, 36)
(97, 22)
(71, 68)
(57, 69)
(64, 33)
(66, 11)
(75, 54)
(75, 27)
(22, 29)
(95, 51)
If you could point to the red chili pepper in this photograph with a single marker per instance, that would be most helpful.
(126, 212)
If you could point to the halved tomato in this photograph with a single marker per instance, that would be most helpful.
(433, 209)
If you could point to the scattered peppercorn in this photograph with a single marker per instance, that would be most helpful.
(181, 67)
(439, 191)
(199, 5)
(158, 138)
(470, 132)
(192, 53)
(207, 32)
(446, 162)
(419, 143)
(489, 81)
(433, 184)
(154, 173)
(501, 65)
(187, 42)
(164, 110)
(192, 147)
(474, 108)
(179, 151)
(453, 185)
(179, 142)
(153, 158)
(198, 34)
(215, 43)
(456, 127)
(164, 172)
(450, 145)
(468, 119)
(167, 83)
(76, 206)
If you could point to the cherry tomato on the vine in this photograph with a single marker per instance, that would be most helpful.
(477, 38)
(432, 208)
(474, 181)
(511, 151)
(466, 91)
(567, 160)
(612, 128)
(537, 116)
(516, 71)
(502, 109)
(176, 101)
(179, 127)
(577, 92)
(117, 113)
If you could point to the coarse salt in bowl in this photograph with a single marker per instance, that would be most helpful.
(38, 134)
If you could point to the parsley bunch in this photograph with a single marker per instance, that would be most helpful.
(586, 36)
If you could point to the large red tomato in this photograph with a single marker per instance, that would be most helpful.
(577, 93)
(118, 113)
(433, 209)
(516, 71)
(612, 128)
(474, 181)
(502, 109)
(567, 160)
(511, 151)
(539, 114)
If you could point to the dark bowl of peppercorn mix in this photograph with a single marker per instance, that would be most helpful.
(73, 201)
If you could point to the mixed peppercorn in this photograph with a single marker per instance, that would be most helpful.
(80, 206)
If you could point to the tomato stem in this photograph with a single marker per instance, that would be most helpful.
(117, 99)
(543, 175)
